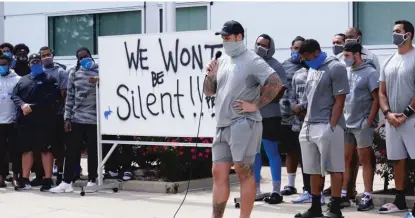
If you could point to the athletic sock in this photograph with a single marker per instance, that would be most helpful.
(344, 193)
(315, 205)
(400, 199)
(368, 194)
(276, 187)
(291, 179)
(258, 188)
(335, 205)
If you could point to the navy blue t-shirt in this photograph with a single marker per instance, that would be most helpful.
(42, 93)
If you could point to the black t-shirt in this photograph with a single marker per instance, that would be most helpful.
(41, 93)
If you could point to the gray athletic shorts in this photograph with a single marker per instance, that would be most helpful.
(239, 142)
(322, 149)
(400, 142)
(362, 138)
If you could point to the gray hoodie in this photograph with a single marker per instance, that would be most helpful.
(323, 84)
(363, 80)
(366, 55)
(273, 109)
(80, 104)
(7, 107)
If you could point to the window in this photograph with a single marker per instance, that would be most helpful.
(376, 19)
(67, 33)
(189, 18)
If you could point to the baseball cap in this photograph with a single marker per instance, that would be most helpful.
(231, 27)
(34, 57)
(353, 46)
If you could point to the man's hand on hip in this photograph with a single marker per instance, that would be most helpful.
(244, 106)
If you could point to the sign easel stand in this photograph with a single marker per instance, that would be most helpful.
(115, 186)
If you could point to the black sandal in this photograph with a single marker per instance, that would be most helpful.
(308, 214)
(330, 214)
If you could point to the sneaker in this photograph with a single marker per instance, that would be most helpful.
(24, 184)
(365, 204)
(309, 214)
(344, 202)
(408, 215)
(36, 182)
(275, 198)
(289, 190)
(47, 185)
(91, 183)
(62, 188)
(127, 176)
(305, 197)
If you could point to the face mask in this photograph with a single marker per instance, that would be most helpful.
(87, 63)
(8, 54)
(47, 62)
(337, 49)
(317, 61)
(399, 39)
(22, 58)
(295, 57)
(4, 70)
(234, 49)
(349, 61)
(261, 51)
(36, 69)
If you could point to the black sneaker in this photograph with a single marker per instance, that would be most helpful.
(47, 184)
(23, 184)
(289, 190)
(275, 198)
(344, 202)
(365, 204)
(309, 214)
(327, 192)
(330, 214)
(36, 182)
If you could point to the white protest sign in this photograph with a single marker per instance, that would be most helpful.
(152, 85)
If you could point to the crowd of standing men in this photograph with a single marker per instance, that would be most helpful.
(322, 109)
(48, 112)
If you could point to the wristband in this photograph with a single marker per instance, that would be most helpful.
(386, 112)
(408, 111)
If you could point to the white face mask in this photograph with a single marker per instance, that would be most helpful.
(234, 48)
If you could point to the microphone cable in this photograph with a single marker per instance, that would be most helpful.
(217, 56)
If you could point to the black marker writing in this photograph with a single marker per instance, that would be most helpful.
(139, 57)
(157, 78)
(212, 49)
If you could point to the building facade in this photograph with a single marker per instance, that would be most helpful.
(65, 26)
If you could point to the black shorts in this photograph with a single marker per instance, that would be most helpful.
(57, 137)
(271, 128)
(34, 138)
(289, 139)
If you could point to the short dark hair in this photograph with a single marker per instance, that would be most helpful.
(353, 46)
(309, 46)
(7, 45)
(45, 48)
(341, 35)
(357, 30)
(265, 36)
(19, 47)
(407, 26)
(4, 57)
(298, 38)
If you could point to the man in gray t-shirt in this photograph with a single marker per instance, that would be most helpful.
(396, 98)
(322, 135)
(243, 82)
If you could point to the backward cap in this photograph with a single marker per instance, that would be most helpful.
(231, 27)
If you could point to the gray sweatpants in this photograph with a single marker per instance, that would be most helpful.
(400, 142)
(239, 142)
(322, 149)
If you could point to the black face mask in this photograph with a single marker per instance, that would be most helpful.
(21, 58)
(303, 64)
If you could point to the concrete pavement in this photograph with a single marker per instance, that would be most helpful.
(106, 204)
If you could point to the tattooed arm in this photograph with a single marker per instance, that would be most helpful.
(269, 90)
(210, 85)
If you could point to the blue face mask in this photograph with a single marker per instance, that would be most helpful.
(87, 63)
(8, 54)
(36, 70)
(317, 61)
(4, 70)
(295, 57)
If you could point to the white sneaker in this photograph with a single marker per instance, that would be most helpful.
(305, 197)
(62, 188)
(90, 184)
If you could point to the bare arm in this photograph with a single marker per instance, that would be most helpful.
(337, 109)
(375, 107)
(383, 98)
(270, 90)
(210, 85)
